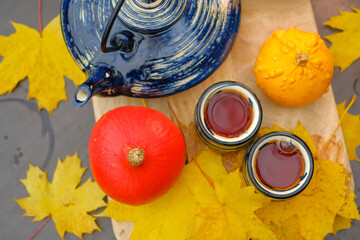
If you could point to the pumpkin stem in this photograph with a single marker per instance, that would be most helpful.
(301, 59)
(136, 156)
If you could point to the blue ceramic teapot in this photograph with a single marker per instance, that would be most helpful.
(147, 48)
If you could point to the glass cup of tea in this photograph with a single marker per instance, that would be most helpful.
(228, 116)
(279, 164)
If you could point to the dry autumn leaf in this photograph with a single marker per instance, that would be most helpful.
(348, 212)
(43, 59)
(233, 216)
(170, 217)
(315, 210)
(67, 204)
(227, 212)
(206, 203)
(350, 126)
(345, 48)
(325, 206)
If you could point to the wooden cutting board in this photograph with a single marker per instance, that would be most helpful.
(259, 18)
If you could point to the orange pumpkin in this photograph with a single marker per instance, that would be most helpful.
(294, 68)
(136, 154)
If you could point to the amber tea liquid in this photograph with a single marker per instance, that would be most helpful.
(228, 114)
(279, 165)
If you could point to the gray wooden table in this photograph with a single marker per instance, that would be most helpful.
(29, 136)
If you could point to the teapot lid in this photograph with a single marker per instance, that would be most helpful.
(177, 44)
(150, 16)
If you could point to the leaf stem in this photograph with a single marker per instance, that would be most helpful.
(47, 220)
(337, 126)
(40, 19)
(143, 102)
(204, 174)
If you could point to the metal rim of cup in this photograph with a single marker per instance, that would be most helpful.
(205, 131)
(305, 178)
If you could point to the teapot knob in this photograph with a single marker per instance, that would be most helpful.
(123, 41)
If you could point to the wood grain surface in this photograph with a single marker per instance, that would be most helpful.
(258, 20)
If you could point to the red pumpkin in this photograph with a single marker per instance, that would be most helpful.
(136, 154)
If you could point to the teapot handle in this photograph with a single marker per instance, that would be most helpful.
(108, 28)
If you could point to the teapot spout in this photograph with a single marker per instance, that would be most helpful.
(103, 80)
(82, 95)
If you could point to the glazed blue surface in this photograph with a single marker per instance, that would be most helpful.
(164, 60)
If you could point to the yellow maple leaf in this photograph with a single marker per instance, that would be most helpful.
(170, 217)
(347, 213)
(226, 208)
(345, 48)
(44, 60)
(206, 203)
(350, 126)
(67, 204)
(318, 206)
(341, 223)
(233, 216)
